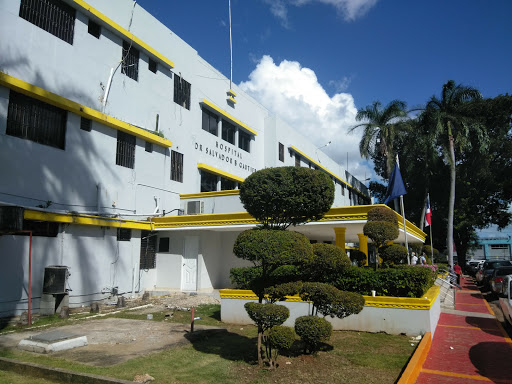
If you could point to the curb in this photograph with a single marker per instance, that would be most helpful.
(58, 374)
(415, 365)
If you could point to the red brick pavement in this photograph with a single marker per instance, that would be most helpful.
(470, 347)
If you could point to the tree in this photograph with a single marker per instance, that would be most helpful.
(380, 128)
(284, 196)
(451, 124)
(381, 227)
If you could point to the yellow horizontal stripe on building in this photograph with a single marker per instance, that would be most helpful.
(295, 149)
(199, 195)
(98, 221)
(228, 116)
(127, 34)
(36, 92)
(216, 171)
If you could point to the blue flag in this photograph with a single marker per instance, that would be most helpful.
(396, 186)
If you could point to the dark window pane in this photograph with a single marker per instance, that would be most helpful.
(130, 61)
(226, 184)
(297, 160)
(244, 141)
(54, 16)
(152, 65)
(163, 245)
(35, 120)
(149, 146)
(228, 132)
(208, 182)
(85, 124)
(181, 92)
(125, 154)
(147, 250)
(210, 121)
(94, 29)
(124, 234)
(281, 152)
(40, 228)
(176, 166)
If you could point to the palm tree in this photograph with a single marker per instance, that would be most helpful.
(450, 123)
(380, 128)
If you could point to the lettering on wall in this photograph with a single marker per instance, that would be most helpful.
(227, 154)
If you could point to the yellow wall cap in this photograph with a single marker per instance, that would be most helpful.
(201, 195)
(229, 117)
(216, 171)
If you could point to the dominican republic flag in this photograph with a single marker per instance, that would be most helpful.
(396, 186)
(428, 212)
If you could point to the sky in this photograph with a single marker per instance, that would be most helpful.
(316, 62)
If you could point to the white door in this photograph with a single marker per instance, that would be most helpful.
(189, 268)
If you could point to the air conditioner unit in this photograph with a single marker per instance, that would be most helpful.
(11, 219)
(55, 279)
(195, 207)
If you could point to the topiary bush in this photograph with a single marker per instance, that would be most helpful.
(280, 291)
(328, 262)
(382, 214)
(313, 331)
(393, 254)
(358, 256)
(279, 339)
(245, 277)
(380, 231)
(284, 196)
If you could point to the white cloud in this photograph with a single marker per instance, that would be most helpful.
(348, 9)
(295, 95)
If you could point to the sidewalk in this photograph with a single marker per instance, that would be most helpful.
(469, 345)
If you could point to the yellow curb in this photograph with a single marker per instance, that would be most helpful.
(415, 365)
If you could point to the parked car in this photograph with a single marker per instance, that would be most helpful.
(484, 273)
(506, 300)
(497, 278)
(472, 266)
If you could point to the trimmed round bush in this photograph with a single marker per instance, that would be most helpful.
(281, 337)
(393, 254)
(380, 231)
(313, 331)
(330, 301)
(284, 196)
(382, 214)
(358, 256)
(280, 291)
(267, 316)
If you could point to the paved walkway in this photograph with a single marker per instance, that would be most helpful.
(469, 345)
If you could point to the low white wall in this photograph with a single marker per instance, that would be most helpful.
(391, 315)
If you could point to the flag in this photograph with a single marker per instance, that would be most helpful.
(428, 213)
(396, 186)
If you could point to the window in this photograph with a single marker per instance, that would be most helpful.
(163, 245)
(152, 65)
(85, 124)
(297, 160)
(125, 154)
(35, 120)
(94, 29)
(181, 92)
(210, 121)
(130, 61)
(281, 152)
(208, 182)
(226, 184)
(53, 16)
(228, 132)
(147, 250)
(40, 228)
(176, 166)
(149, 147)
(244, 141)
(342, 190)
(124, 234)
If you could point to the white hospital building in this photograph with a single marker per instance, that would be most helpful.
(122, 152)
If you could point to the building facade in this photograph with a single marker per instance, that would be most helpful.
(124, 149)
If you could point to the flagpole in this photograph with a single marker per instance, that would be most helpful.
(403, 217)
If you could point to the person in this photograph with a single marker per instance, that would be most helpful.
(414, 259)
(423, 259)
(458, 272)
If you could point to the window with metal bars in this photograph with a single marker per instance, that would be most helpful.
(124, 234)
(210, 122)
(130, 61)
(176, 166)
(54, 16)
(147, 250)
(163, 245)
(244, 141)
(94, 29)
(125, 153)
(85, 124)
(40, 228)
(281, 152)
(181, 92)
(35, 120)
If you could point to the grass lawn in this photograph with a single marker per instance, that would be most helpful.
(229, 356)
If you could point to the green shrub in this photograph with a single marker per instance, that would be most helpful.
(267, 316)
(281, 338)
(328, 262)
(330, 301)
(380, 231)
(393, 254)
(280, 291)
(382, 214)
(244, 277)
(358, 256)
(284, 196)
(313, 331)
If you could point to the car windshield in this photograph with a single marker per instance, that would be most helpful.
(496, 264)
(504, 271)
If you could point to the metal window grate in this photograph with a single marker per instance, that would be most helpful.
(85, 124)
(124, 234)
(35, 120)
(130, 61)
(176, 166)
(147, 250)
(94, 29)
(54, 16)
(41, 228)
(125, 153)
(181, 92)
